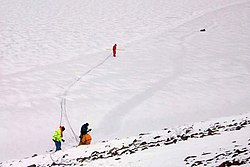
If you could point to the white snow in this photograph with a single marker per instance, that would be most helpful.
(226, 140)
(55, 56)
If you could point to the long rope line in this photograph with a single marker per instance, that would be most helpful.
(61, 111)
(67, 119)
(63, 99)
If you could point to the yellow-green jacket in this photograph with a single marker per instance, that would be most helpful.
(57, 136)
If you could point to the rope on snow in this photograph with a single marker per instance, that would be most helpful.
(63, 99)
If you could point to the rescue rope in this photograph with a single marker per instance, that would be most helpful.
(63, 99)
(67, 119)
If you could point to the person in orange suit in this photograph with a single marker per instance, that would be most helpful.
(85, 140)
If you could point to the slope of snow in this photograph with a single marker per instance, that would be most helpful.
(212, 143)
(167, 72)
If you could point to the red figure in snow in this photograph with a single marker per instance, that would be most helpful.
(114, 50)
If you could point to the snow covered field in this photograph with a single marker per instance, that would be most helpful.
(55, 58)
(213, 143)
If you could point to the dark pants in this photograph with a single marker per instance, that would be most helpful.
(58, 145)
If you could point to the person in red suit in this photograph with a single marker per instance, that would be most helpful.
(114, 50)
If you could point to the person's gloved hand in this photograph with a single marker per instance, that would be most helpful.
(63, 140)
(90, 130)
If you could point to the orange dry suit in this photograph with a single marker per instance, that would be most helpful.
(86, 140)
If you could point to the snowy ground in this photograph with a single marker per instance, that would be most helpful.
(55, 59)
(213, 143)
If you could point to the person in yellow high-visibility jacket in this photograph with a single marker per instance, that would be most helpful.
(85, 140)
(58, 137)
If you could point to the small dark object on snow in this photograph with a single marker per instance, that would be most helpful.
(228, 163)
(203, 29)
(34, 155)
(65, 155)
(156, 137)
(33, 165)
(190, 157)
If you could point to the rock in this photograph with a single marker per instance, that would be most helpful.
(228, 163)
(184, 137)
(156, 137)
(196, 163)
(205, 153)
(243, 123)
(189, 157)
(33, 165)
(34, 155)
(210, 132)
(143, 143)
(238, 127)
(81, 159)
